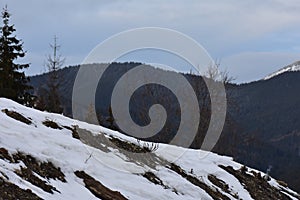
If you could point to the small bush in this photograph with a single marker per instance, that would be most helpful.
(128, 146)
(243, 169)
(148, 146)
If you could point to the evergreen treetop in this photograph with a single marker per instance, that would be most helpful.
(13, 82)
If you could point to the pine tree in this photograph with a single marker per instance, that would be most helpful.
(13, 82)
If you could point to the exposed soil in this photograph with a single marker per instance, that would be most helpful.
(44, 169)
(74, 132)
(157, 181)
(154, 179)
(4, 155)
(17, 116)
(27, 175)
(52, 124)
(214, 193)
(222, 185)
(10, 191)
(98, 189)
(256, 185)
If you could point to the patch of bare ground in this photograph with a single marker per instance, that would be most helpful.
(4, 155)
(222, 185)
(17, 116)
(75, 133)
(26, 174)
(150, 176)
(98, 189)
(256, 185)
(10, 191)
(44, 169)
(51, 124)
(213, 192)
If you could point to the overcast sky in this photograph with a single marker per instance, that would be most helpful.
(252, 38)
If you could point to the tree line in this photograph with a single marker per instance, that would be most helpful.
(14, 84)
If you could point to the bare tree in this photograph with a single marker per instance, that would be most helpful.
(215, 73)
(54, 64)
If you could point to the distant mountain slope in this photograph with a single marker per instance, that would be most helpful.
(266, 126)
(290, 68)
(262, 123)
(49, 156)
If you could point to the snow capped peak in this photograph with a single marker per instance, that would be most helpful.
(290, 68)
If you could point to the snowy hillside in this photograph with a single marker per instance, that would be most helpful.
(290, 68)
(49, 156)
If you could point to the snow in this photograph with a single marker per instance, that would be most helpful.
(290, 68)
(113, 169)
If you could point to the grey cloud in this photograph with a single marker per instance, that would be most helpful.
(223, 27)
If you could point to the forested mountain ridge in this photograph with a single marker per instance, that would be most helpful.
(262, 126)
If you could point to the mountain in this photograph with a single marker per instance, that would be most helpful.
(265, 129)
(289, 68)
(49, 156)
(261, 130)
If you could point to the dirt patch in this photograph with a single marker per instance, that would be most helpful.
(75, 134)
(51, 124)
(213, 192)
(4, 155)
(27, 175)
(17, 116)
(154, 179)
(98, 189)
(256, 185)
(44, 169)
(282, 183)
(222, 185)
(10, 191)
(157, 181)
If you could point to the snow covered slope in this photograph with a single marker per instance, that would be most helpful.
(42, 157)
(290, 68)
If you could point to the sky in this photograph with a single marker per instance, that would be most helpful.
(250, 38)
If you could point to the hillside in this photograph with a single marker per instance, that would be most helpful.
(262, 123)
(267, 127)
(49, 156)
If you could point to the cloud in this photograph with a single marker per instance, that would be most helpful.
(226, 28)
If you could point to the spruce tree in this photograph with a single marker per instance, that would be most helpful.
(13, 82)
